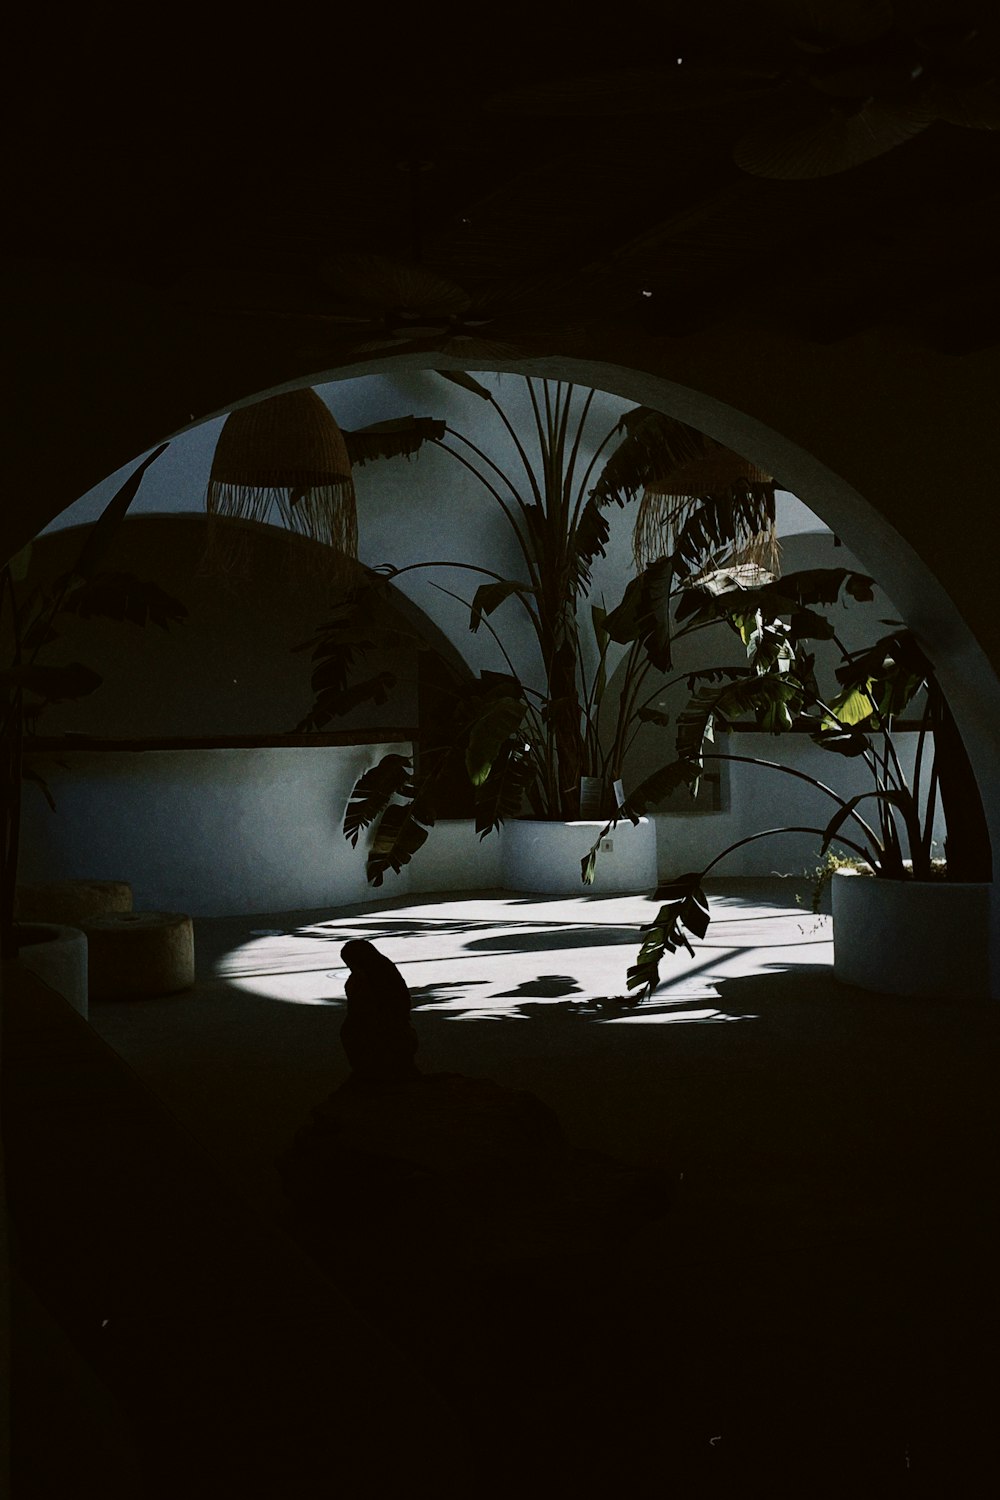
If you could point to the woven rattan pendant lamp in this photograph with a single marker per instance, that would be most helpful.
(284, 459)
(709, 470)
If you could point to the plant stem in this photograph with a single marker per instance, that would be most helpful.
(771, 765)
(767, 833)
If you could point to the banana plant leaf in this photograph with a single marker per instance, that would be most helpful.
(852, 706)
(644, 613)
(652, 442)
(396, 841)
(890, 674)
(685, 914)
(400, 437)
(501, 795)
(659, 785)
(589, 541)
(488, 732)
(391, 777)
(489, 596)
(795, 594)
(850, 742)
(334, 704)
(775, 700)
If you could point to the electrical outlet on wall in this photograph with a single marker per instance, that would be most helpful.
(607, 846)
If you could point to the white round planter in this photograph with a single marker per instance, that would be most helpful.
(544, 857)
(928, 939)
(58, 955)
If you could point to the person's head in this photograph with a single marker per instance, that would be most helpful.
(360, 955)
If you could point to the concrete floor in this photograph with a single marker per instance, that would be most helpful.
(529, 990)
(819, 1308)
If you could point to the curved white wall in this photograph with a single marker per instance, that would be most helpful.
(222, 832)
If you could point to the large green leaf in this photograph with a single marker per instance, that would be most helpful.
(852, 706)
(488, 732)
(850, 742)
(373, 792)
(795, 594)
(400, 437)
(643, 613)
(396, 841)
(589, 541)
(684, 914)
(651, 443)
(335, 703)
(489, 596)
(890, 673)
(774, 700)
(501, 795)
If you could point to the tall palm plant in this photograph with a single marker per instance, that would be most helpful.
(554, 745)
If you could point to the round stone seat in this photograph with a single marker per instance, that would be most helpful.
(67, 903)
(139, 954)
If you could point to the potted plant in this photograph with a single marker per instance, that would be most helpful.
(904, 921)
(542, 754)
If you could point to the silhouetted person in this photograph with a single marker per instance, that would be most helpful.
(377, 1033)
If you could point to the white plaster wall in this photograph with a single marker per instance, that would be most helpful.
(429, 508)
(755, 798)
(222, 832)
(172, 816)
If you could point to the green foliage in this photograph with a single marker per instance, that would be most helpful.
(778, 689)
(400, 437)
(488, 734)
(339, 646)
(501, 794)
(643, 615)
(528, 744)
(391, 777)
(684, 915)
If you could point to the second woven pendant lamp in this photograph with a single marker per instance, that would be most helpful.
(709, 471)
(284, 459)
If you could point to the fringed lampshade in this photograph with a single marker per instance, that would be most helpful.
(672, 497)
(285, 458)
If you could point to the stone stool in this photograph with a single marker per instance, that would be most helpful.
(67, 903)
(139, 954)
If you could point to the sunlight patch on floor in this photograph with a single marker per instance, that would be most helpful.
(507, 956)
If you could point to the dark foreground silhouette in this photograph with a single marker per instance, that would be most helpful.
(470, 1228)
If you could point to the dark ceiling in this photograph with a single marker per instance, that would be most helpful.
(500, 179)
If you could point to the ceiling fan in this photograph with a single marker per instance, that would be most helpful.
(373, 304)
